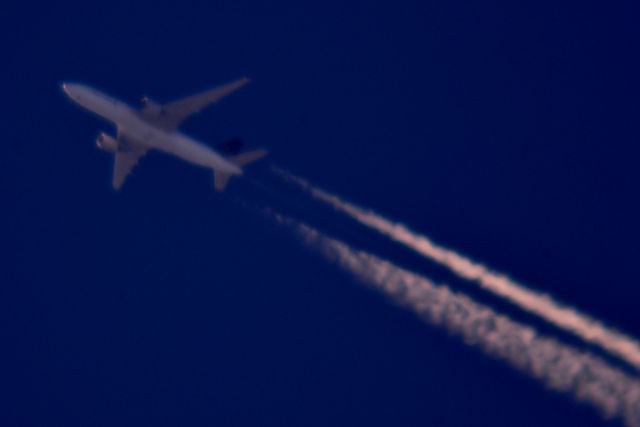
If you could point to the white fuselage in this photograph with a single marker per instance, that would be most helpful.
(134, 127)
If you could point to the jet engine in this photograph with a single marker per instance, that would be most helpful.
(151, 106)
(107, 143)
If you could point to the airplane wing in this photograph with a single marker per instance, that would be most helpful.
(169, 116)
(124, 161)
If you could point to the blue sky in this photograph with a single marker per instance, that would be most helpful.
(507, 131)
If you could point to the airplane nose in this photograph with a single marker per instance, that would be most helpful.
(69, 88)
(65, 87)
(72, 90)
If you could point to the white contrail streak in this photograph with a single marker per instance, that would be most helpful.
(567, 318)
(560, 367)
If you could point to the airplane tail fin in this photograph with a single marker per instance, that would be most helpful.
(220, 179)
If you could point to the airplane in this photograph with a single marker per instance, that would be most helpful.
(155, 127)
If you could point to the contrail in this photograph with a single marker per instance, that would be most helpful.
(564, 317)
(560, 367)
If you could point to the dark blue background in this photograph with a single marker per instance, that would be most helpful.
(508, 131)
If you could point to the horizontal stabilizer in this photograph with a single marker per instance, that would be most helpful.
(220, 180)
(248, 157)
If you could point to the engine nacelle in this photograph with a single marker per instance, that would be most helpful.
(107, 143)
(151, 106)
